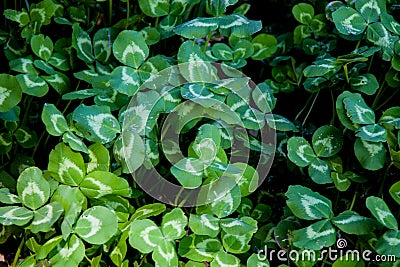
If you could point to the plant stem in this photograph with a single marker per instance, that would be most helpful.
(384, 178)
(110, 12)
(309, 111)
(333, 108)
(207, 41)
(388, 99)
(346, 73)
(127, 14)
(353, 201)
(305, 106)
(16, 257)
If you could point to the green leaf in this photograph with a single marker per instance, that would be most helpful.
(82, 43)
(165, 255)
(148, 210)
(152, 35)
(173, 224)
(125, 80)
(222, 51)
(224, 259)
(32, 84)
(256, 261)
(342, 183)
(357, 109)
(319, 171)
(371, 9)
(324, 67)
(366, 83)
(45, 217)
(327, 141)
(342, 114)
(372, 133)
(265, 45)
(96, 123)
(395, 191)
(390, 23)
(199, 247)
(281, 123)
(70, 252)
(389, 243)
(381, 212)
(10, 215)
(32, 188)
(371, 155)
(102, 44)
(59, 61)
(308, 205)
(10, 92)
(130, 48)
(348, 21)
(6, 197)
(97, 225)
(42, 46)
(381, 37)
(351, 222)
(66, 166)
(144, 235)
(59, 81)
(303, 13)
(225, 201)
(100, 183)
(23, 65)
(47, 247)
(54, 120)
(189, 172)
(238, 25)
(300, 151)
(316, 236)
(25, 137)
(204, 224)
(218, 8)
(197, 28)
(99, 158)
(74, 142)
(22, 17)
(154, 8)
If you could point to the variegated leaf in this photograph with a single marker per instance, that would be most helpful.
(165, 255)
(348, 21)
(381, 212)
(281, 123)
(371, 155)
(389, 244)
(303, 13)
(130, 48)
(102, 43)
(372, 133)
(197, 28)
(74, 142)
(342, 113)
(316, 236)
(357, 109)
(255, 261)
(97, 225)
(23, 65)
(351, 222)
(100, 183)
(42, 46)
(381, 37)
(125, 80)
(319, 171)
(33, 189)
(25, 137)
(32, 84)
(82, 43)
(66, 166)
(154, 8)
(69, 252)
(371, 9)
(224, 259)
(14, 215)
(10, 92)
(173, 224)
(225, 201)
(54, 120)
(60, 61)
(308, 205)
(342, 183)
(327, 141)
(45, 217)
(300, 151)
(144, 235)
(366, 83)
(189, 172)
(204, 224)
(395, 191)
(8, 198)
(218, 8)
(99, 158)
(148, 210)
(238, 25)
(22, 17)
(59, 81)
(199, 247)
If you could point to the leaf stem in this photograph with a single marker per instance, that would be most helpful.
(207, 41)
(127, 13)
(309, 111)
(384, 178)
(333, 108)
(353, 201)
(110, 2)
(388, 99)
(305, 106)
(16, 257)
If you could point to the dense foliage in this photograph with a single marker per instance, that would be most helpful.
(82, 122)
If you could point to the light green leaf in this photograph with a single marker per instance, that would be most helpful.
(82, 43)
(327, 141)
(218, 8)
(372, 133)
(199, 247)
(45, 217)
(395, 191)
(74, 142)
(22, 17)
(132, 151)
(99, 158)
(148, 210)
(366, 83)
(144, 235)
(197, 28)
(239, 227)
(319, 171)
(47, 247)
(300, 151)
(256, 261)
(281, 123)
(348, 21)
(308, 205)
(32, 188)
(69, 253)
(54, 120)
(357, 109)
(189, 172)
(32, 84)
(225, 201)
(371, 9)
(381, 212)
(265, 45)
(342, 183)
(222, 51)
(204, 224)
(371, 155)
(316, 236)
(165, 255)
(125, 80)
(154, 8)
(66, 166)
(224, 259)
(10, 92)
(59, 61)
(100, 183)
(130, 48)
(97, 225)
(10, 215)
(389, 243)
(303, 13)
(238, 25)
(6, 197)
(42, 46)
(351, 222)
(173, 224)
(96, 123)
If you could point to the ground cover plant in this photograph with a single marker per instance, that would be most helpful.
(97, 96)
